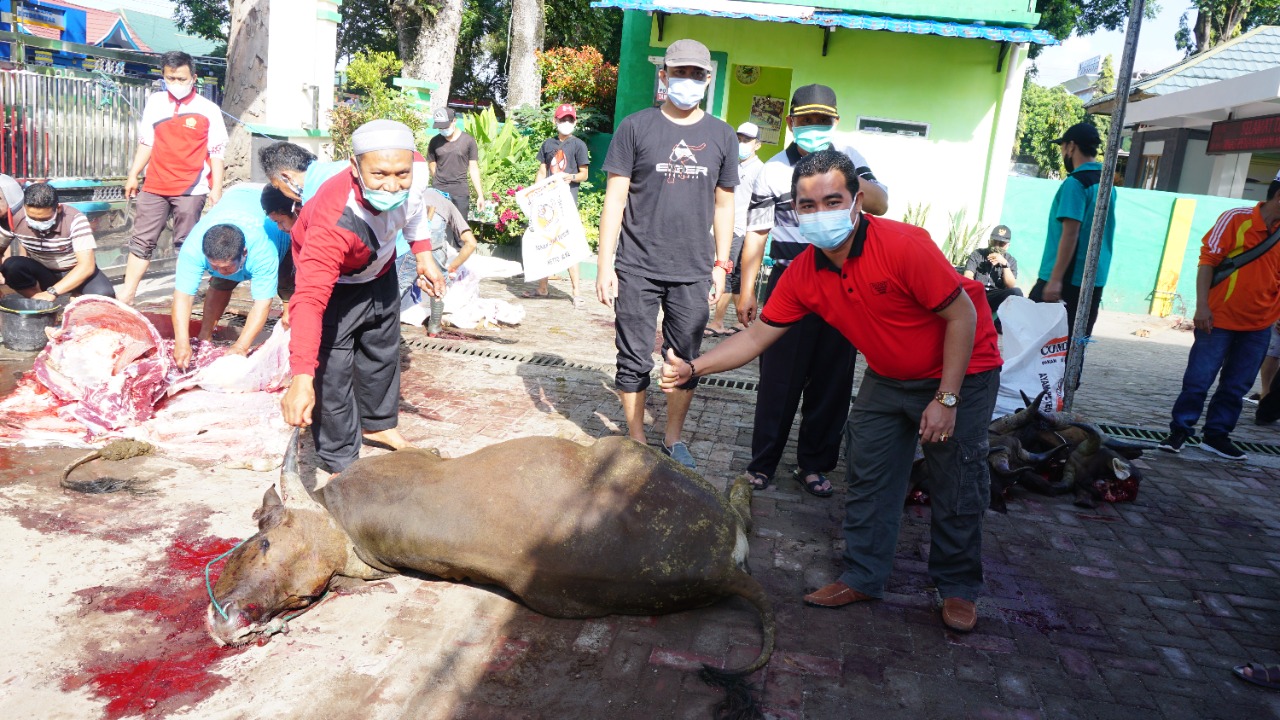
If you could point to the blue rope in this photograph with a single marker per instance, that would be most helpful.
(209, 585)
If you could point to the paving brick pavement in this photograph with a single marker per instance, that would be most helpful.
(1133, 610)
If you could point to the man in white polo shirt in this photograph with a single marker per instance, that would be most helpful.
(181, 139)
(814, 361)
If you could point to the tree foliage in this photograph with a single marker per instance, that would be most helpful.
(1045, 114)
(579, 76)
(1217, 21)
(1061, 18)
(208, 19)
(368, 75)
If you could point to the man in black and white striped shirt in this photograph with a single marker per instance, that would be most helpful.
(50, 251)
(814, 359)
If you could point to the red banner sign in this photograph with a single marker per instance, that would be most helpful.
(1260, 134)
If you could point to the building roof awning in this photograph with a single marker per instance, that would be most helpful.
(767, 12)
(1247, 96)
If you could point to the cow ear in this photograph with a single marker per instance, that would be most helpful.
(271, 511)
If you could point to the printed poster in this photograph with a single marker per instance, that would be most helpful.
(766, 113)
(555, 239)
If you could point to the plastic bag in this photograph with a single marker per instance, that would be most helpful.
(1035, 354)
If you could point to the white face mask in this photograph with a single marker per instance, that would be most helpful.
(564, 128)
(42, 225)
(179, 90)
(745, 150)
(686, 93)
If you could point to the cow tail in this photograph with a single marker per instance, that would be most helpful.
(741, 701)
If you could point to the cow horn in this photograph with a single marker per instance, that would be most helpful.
(293, 493)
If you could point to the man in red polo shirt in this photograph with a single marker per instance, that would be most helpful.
(344, 347)
(933, 373)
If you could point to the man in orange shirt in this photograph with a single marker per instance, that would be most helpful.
(1233, 326)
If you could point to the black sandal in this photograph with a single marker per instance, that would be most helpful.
(813, 486)
(758, 480)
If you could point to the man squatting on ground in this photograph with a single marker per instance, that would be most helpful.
(814, 361)
(672, 170)
(933, 374)
(344, 350)
(50, 247)
(181, 138)
(235, 241)
(1233, 322)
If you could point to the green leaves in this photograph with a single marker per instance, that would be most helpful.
(1045, 114)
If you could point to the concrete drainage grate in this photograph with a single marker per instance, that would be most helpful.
(1129, 432)
(544, 360)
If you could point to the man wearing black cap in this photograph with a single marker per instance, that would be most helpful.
(453, 157)
(672, 170)
(1070, 221)
(814, 359)
(995, 268)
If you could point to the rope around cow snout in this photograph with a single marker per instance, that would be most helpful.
(209, 585)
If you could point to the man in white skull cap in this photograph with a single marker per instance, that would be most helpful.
(344, 317)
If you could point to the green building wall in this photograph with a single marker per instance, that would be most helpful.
(951, 84)
(1142, 225)
(994, 12)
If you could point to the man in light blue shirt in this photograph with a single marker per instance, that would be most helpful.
(234, 242)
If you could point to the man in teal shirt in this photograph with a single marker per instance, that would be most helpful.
(1070, 222)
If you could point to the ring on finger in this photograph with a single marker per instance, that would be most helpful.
(943, 438)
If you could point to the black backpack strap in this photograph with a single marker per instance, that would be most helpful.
(1233, 264)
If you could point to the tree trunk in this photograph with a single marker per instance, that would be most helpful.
(427, 33)
(245, 95)
(1203, 30)
(528, 28)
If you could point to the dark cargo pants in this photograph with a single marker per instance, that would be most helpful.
(882, 432)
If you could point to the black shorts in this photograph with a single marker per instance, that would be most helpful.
(684, 317)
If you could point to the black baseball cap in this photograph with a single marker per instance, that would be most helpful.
(1001, 233)
(1082, 133)
(443, 118)
(811, 99)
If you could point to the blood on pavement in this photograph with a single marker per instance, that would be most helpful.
(168, 669)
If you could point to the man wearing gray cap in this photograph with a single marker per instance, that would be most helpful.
(344, 350)
(672, 170)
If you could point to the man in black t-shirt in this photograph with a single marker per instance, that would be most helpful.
(453, 157)
(564, 155)
(672, 170)
(995, 268)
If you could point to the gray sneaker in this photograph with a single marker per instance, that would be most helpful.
(680, 453)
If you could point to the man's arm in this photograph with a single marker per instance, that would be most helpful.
(180, 313)
(140, 160)
(1066, 251)
(431, 165)
(875, 199)
(722, 227)
(749, 262)
(217, 169)
(75, 277)
(939, 422)
(615, 201)
(1204, 284)
(473, 169)
(968, 274)
(581, 175)
(733, 352)
(542, 172)
(468, 246)
(253, 324)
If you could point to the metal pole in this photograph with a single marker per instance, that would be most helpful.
(1102, 205)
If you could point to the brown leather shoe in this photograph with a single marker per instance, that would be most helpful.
(959, 614)
(835, 595)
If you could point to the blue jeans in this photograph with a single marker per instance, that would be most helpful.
(1238, 355)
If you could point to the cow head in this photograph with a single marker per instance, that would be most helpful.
(280, 571)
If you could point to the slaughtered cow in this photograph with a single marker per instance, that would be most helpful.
(1055, 453)
(572, 531)
(1051, 453)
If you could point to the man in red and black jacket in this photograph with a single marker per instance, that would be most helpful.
(181, 139)
(344, 351)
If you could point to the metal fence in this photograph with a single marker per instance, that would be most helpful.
(68, 127)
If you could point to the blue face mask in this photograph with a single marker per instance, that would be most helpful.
(686, 93)
(812, 138)
(381, 199)
(828, 229)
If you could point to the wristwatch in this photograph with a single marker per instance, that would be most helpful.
(53, 290)
(947, 399)
(726, 265)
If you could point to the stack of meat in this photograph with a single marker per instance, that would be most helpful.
(108, 372)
